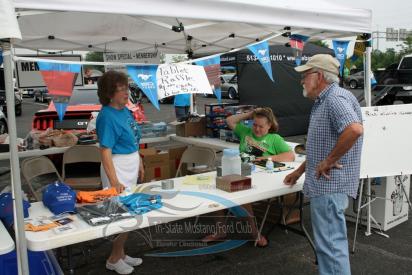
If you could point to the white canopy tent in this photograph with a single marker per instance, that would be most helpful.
(175, 26)
(191, 26)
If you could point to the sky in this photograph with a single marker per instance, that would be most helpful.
(392, 14)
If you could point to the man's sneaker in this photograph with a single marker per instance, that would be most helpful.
(132, 261)
(120, 267)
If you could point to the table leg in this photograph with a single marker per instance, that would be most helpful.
(70, 259)
(263, 221)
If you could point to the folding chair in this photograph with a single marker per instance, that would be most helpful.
(38, 173)
(77, 163)
(196, 156)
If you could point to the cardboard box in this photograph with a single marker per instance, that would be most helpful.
(175, 155)
(156, 164)
(233, 183)
(192, 128)
(387, 212)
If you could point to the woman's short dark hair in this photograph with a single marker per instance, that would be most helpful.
(268, 114)
(108, 83)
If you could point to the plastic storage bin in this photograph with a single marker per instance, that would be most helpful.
(40, 263)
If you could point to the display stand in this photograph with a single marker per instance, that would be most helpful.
(383, 125)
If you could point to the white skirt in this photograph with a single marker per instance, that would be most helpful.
(127, 170)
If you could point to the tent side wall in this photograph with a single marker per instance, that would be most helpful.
(284, 96)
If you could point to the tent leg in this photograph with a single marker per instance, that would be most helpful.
(21, 247)
(367, 67)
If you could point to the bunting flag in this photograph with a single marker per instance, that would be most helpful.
(59, 79)
(218, 92)
(145, 78)
(373, 80)
(360, 48)
(261, 51)
(340, 48)
(297, 43)
(60, 104)
(212, 69)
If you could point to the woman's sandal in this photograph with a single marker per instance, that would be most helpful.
(261, 240)
(213, 238)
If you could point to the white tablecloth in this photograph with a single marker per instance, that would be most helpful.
(6, 242)
(202, 198)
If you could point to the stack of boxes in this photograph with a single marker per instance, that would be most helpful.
(216, 114)
(161, 164)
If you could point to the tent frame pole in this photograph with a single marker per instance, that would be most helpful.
(21, 246)
(368, 101)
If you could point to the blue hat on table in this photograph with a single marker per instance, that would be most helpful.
(6, 208)
(59, 198)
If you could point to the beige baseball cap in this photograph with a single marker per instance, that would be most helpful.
(324, 62)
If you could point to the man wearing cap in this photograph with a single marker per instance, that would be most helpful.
(332, 165)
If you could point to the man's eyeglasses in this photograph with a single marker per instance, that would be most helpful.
(305, 75)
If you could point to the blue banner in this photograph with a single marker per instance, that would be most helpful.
(145, 78)
(60, 104)
(261, 51)
(211, 62)
(1, 57)
(373, 80)
(297, 43)
(59, 67)
(218, 93)
(60, 109)
(340, 48)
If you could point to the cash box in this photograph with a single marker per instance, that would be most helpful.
(233, 183)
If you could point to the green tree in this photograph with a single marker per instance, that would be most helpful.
(406, 46)
(94, 57)
(320, 43)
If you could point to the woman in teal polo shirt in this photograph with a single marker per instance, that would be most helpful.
(119, 137)
(259, 142)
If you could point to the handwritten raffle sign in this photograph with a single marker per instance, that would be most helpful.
(173, 79)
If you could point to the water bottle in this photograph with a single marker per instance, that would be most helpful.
(269, 165)
(231, 162)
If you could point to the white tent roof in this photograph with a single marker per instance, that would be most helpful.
(213, 25)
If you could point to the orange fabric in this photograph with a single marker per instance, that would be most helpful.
(95, 196)
(37, 228)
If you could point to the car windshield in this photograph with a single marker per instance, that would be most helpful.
(84, 97)
(227, 77)
(234, 79)
(406, 63)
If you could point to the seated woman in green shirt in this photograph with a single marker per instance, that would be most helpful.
(261, 142)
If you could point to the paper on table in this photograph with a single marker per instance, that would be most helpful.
(198, 180)
(259, 169)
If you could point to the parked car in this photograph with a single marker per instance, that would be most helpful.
(136, 94)
(42, 95)
(17, 102)
(397, 73)
(229, 86)
(3, 123)
(82, 103)
(27, 92)
(355, 80)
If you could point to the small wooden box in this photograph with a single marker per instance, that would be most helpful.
(233, 183)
